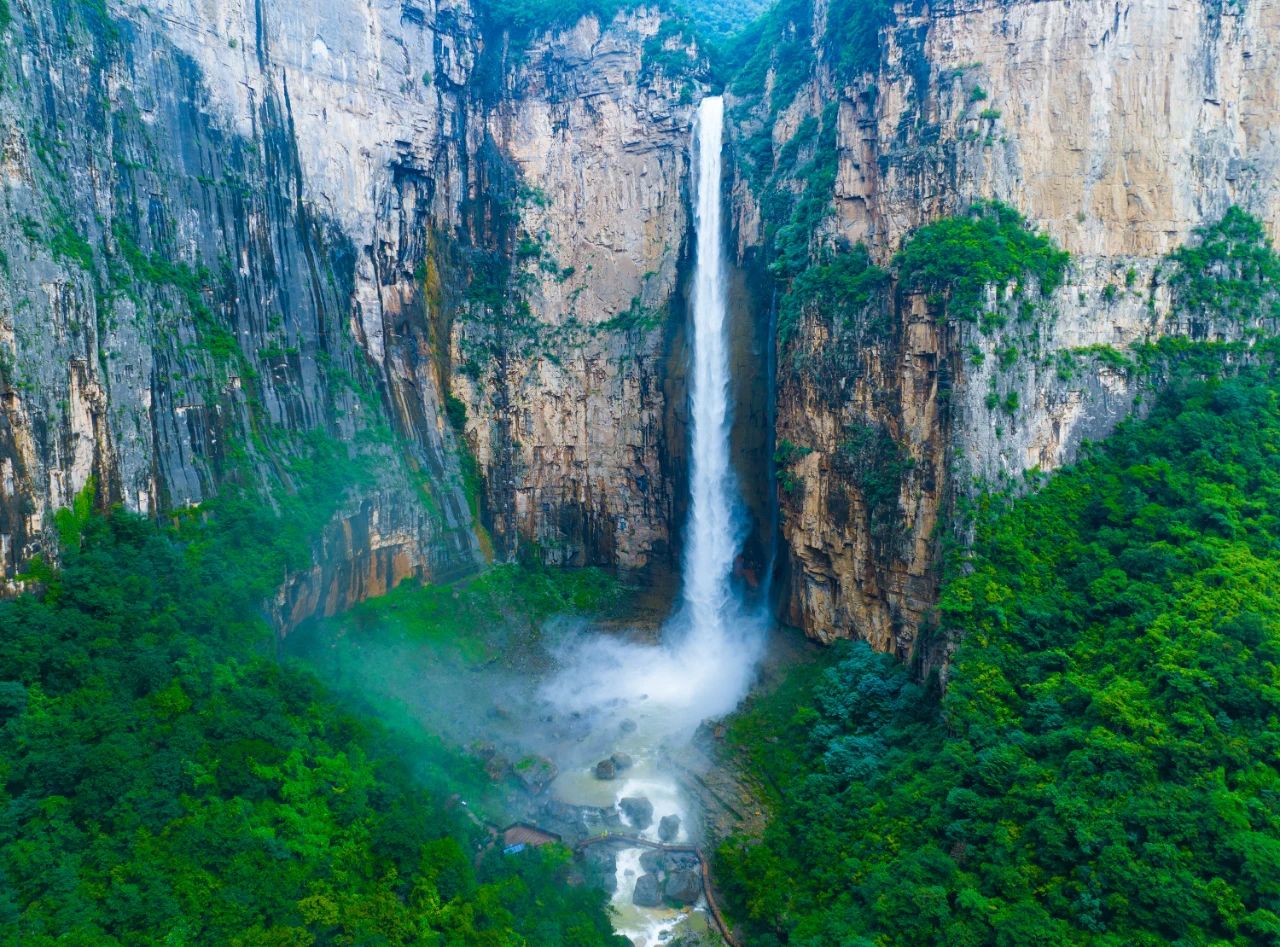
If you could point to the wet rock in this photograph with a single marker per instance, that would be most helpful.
(497, 767)
(669, 828)
(681, 861)
(601, 863)
(627, 726)
(606, 769)
(575, 823)
(620, 761)
(535, 773)
(683, 886)
(664, 863)
(484, 749)
(648, 892)
(638, 810)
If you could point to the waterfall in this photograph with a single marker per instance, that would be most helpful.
(711, 644)
(714, 531)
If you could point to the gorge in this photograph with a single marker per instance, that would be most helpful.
(543, 379)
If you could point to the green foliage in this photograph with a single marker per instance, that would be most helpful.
(471, 621)
(191, 284)
(722, 18)
(1230, 271)
(67, 244)
(70, 522)
(792, 223)
(163, 781)
(957, 258)
(455, 410)
(1104, 765)
(840, 288)
(524, 18)
(781, 44)
(874, 463)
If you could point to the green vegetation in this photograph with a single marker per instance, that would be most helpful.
(524, 18)
(1230, 271)
(957, 258)
(1103, 767)
(166, 782)
(719, 19)
(872, 461)
(476, 619)
(781, 42)
(840, 288)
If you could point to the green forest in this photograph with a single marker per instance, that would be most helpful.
(1103, 766)
(165, 780)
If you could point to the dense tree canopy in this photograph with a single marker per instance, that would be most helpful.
(162, 780)
(1104, 766)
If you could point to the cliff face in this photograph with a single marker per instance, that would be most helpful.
(235, 233)
(565, 377)
(1115, 128)
(175, 317)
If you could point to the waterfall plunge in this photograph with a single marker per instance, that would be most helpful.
(713, 534)
(711, 645)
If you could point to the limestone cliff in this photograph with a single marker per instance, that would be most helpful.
(1118, 128)
(565, 375)
(235, 232)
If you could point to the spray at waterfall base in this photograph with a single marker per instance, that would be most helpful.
(654, 697)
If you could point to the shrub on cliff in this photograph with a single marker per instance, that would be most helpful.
(958, 258)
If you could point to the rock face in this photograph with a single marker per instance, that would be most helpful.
(566, 385)
(235, 231)
(638, 811)
(648, 891)
(438, 270)
(668, 828)
(1117, 129)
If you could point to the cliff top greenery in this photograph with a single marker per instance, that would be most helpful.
(1229, 270)
(958, 258)
(1103, 766)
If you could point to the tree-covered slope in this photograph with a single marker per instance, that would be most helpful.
(1105, 764)
(163, 780)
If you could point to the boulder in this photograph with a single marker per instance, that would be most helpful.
(606, 769)
(627, 726)
(620, 761)
(638, 810)
(683, 886)
(648, 893)
(535, 773)
(602, 866)
(497, 767)
(669, 828)
(651, 860)
(676, 861)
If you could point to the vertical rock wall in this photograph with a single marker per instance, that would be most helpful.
(233, 230)
(1117, 128)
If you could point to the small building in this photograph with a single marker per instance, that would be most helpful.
(522, 833)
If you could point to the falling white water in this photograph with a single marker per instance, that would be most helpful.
(710, 647)
(713, 535)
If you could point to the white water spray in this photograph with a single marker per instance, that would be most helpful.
(714, 532)
(710, 647)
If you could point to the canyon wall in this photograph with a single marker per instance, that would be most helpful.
(1117, 129)
(240, 236)
(565, 377)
